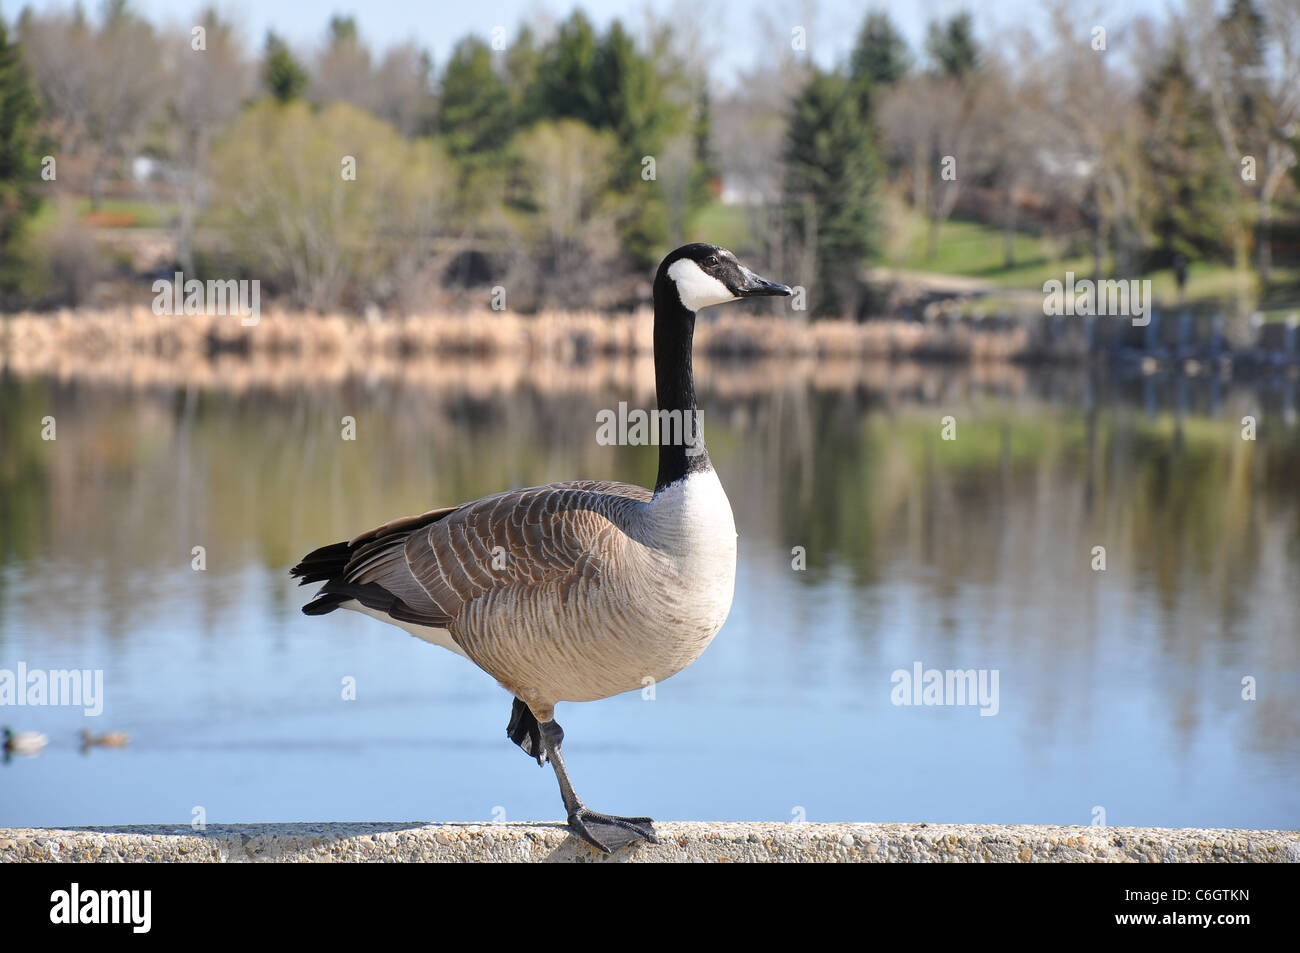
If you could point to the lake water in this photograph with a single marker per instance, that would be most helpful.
(1118, 691)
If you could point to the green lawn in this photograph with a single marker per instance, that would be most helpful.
(725, 225)
(969, 249)
(975, 250)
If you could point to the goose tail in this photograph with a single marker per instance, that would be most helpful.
(323, 565)
(346, 581)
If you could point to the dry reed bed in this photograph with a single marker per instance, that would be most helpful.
(480, 354)
(130, 333)
(494, 377)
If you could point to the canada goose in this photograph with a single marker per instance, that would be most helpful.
(109, 739)
(24, 742)
(572, 591)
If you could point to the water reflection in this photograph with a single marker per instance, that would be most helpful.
(1120, 688)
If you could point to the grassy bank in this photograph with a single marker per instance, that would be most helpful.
(974, 250)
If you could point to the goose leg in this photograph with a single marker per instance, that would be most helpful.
(599, 830)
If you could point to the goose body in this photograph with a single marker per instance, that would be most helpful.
(601, 586)
(571, 591)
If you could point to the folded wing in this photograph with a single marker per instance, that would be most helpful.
(424, 569)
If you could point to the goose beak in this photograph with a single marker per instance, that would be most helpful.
(757, 287)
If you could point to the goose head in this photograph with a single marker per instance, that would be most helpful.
(694, 276)
(700, 275)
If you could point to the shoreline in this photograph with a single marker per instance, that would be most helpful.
(136, 346)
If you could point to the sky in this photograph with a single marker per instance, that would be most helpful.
(732, 31)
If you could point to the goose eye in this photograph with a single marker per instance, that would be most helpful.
(711, 260)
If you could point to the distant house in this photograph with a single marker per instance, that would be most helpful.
(144, 168)
(149, 169)
(1066, 164)
(736, 190)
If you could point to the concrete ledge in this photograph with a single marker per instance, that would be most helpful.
(679, 842)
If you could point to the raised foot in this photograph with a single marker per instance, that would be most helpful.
(607, 832)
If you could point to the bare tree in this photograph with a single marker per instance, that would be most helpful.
(1009, 141)
(101, 85)
(208, 81)
(934, 122)
(342, 70)
(403, 89)
(749, 138)
(1081, 106)
(127, 89)
(59, 50)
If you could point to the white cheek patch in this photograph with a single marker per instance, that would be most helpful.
(696, 289)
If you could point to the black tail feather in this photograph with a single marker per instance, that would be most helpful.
(330, 565)
(371, 595)
(326, 602)
(322, 564)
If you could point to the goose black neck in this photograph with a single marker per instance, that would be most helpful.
(675, 387)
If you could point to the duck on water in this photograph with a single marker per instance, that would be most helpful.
(603, 584)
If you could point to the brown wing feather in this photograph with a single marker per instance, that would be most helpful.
(425, 568)
(523, 537)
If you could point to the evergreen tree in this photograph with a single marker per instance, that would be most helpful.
(1245, 37)
(565, 85)
(880, 56)
(1244, 48)
(284, 76)
(343, 32)
(706, 171)
(609, 84)
(635, 109)
(880, 59)
(1191, 193)
(477, 117)
(632, 104)
(19, 162)
(829, 186)
(1251, 113)
(523, 60)
(952, 48)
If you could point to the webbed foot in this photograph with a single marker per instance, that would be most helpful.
(607, 832)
